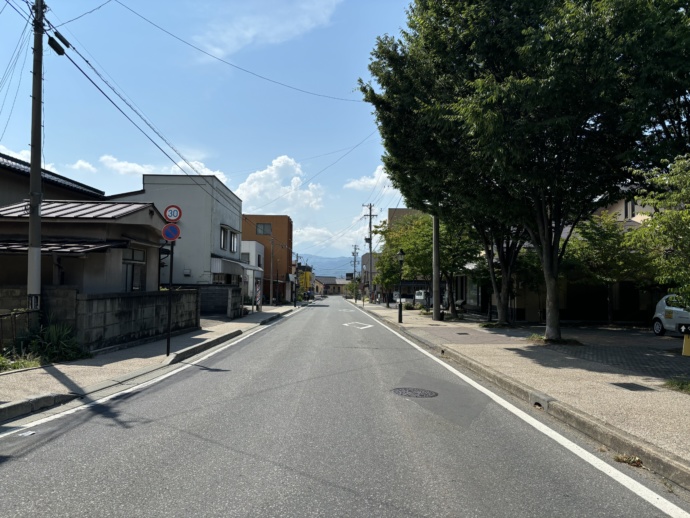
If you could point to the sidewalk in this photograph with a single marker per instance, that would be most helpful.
(28, 390)
(610, 388)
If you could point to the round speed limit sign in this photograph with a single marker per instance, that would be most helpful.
(172, 213)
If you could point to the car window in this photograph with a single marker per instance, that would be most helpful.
(673, 302)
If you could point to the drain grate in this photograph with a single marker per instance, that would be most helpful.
(633, 386)
(414, 392)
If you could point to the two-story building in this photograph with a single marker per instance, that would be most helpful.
(207, 254)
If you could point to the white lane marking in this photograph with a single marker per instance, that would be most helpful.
(53, 417)
(358, 325)
(643, 492)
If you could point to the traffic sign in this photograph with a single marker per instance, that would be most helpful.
(171, 232)
(684, 329)
(172, 213)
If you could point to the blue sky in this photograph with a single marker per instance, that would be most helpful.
(316, 158)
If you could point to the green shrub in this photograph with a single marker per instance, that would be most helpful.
(408, 305)
(54, 343)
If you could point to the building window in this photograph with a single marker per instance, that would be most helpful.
(244, 257)
(233, 241)
(259, 261)
(224, 238)
(134, 266)
(263, 229)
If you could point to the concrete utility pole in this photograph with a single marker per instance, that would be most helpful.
(270, 288)
(296, 278)
(370, 271)
(33, 281)
(436, 266)
(354, 268)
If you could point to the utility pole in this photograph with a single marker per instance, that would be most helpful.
(370, 271)
(436, 266)
(354, 270)
(33, 281)
(296, 278)
(270, 289)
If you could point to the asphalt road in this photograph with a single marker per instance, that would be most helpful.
(301, 419)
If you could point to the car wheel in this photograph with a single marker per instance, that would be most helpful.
(658, 327)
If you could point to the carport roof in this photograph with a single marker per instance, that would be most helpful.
(56, 209)
(69, 247)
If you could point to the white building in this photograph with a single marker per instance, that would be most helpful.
(253, 255)
(208, 250)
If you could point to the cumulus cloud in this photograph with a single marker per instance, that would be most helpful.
(280, 185)
(127, 168)
(263, 22)
(83, 165)
(367, 183)
(131, 168)
(197, 168)
(24, 155)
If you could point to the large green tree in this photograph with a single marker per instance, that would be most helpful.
(605, 253)
(666, 233)
(527, 110)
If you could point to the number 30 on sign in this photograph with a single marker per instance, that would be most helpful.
(172, 213)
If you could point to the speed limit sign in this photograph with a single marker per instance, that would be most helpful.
(172, 213)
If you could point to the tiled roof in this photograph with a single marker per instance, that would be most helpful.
(325, 280)
(24, 168)
(75, 209)
(72, 246)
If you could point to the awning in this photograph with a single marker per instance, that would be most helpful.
(66, 247)
(230, 267)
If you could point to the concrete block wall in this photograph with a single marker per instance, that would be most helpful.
(214, 298)
(106, 320)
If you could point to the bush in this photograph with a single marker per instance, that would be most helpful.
(408, 305)
(54, 343)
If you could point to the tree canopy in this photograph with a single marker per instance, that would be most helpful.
(530, 112)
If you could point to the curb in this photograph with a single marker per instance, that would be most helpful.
(27, 406)
(15, 409)
(655, 459)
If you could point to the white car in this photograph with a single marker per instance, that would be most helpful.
(668, 314)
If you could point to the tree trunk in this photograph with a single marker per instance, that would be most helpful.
(609, 292)
(451, 297)
(388, 298)
(502, 301)
(553, 318)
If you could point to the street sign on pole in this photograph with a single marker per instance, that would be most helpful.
(172, 213)
(171, 232)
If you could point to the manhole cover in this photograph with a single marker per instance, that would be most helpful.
(414, 392)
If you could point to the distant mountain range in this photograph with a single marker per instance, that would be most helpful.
(329, 266)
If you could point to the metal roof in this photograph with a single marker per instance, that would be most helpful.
(24, 168)
(61, 246)
(76, 209)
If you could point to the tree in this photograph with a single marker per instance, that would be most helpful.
(607, 254)
(665, 235)
(527, 110)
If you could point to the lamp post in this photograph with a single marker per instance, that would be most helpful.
(401, 259)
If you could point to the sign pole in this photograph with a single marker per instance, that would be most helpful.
(170, 279)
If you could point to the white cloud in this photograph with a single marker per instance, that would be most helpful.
(131, 168)
(197, 168)
(127, 168)
(281, 186)
(263, 22)
(378, 179)
(83, 165)
(24, 155)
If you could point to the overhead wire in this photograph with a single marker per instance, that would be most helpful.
(7, 79)
(246, 71)
(85, 14)
(130, 104)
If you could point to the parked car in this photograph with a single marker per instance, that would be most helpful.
(670, 312)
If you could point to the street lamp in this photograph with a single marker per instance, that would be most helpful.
(401, 259)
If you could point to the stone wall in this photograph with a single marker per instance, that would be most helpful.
(106, 320)
(214, 298)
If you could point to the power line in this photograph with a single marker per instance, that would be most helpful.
(246, 71)
(25, 36)
(86, 13)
